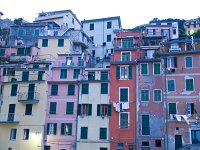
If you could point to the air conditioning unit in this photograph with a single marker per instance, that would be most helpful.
(172, 116)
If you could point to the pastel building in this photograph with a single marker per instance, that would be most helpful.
(94, 110)
(23, 99)
(101, 31)
(193, 24)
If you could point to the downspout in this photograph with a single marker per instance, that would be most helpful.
(77, 117)
(136, 96)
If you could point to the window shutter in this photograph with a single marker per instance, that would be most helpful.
(109, 110)
(89, 109)
(129, 72)
(62, 128)
(145, 125)
(98, 109)
(188, 108)
(118, 72)
(47, 128)
(4, 71)
(70, 108)
(52, 108)
(79, 109)
(103, 133)
(69, 128)
(154, 31)
(175, 62)
(55, 129)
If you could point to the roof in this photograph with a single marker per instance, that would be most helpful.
(36, 24)
(179, 53)
(103, 19)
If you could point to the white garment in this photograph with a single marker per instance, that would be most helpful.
(125, 105)
(178, 118)
(185, 118)
(69, 62)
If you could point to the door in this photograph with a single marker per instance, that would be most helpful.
(11, 112)
(178, 141)
(31, 91)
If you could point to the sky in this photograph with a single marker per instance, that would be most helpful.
(131, 12)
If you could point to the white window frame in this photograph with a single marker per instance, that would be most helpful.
(160, 95)
(186, 62)
(120, 93)
(51, 128)
(174, 85)
(154, 68)
(126, 52)
(127, 72)
(149, 125)
(128, 119)
(170, 62)
(189, 103)
(193, 84)
(147, 69)
(176, 108)
(141, 95)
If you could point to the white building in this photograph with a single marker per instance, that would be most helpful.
(101, 31)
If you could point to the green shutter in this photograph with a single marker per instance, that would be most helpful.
(70, 108)
(145, 125)
(109, 110)
(84, 131)
(104, 88)
(89, 109)
(129, 72)
(54, 89)
(55, 129)
(103, 133)
(52, 108)
(14, 90)
(25, 76)
(144, 69)
(85, 88)
(175, 62)
(172, 108)
(47, 128)
(69, 125)
(118, 72)
(98, 109)
(123, 95)
(62, 128)
(71, 89)
(40, 75)
(79, 109)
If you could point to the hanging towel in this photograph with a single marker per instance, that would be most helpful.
(178, 118)
(69, 62)
(125, 105)
(185, 118)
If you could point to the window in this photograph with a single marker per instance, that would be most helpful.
(171, 62)
(36, 32)
(109, 25)
(157, 95)
(124, 95)
(174, 31)
(124, 120)
(70, 108)
(66, 128)
(60, 42)
(188, 62)
(9, 148)
(51, 128)
(103, 148)
(46, 147)
(189, 83)
(85, 109)
(190, 109)
(63, 73)
(44, 42)
(124, 72)
(156, 68)
(84, 132)
(144, 69)
(104, 109)
(172, 108)
(91, 75)
(54, 90)
(158, 143)
(91, 26)
(14, 90)
(76, 73)
(72, 20)
(128, 43)
(40, 75)
(145, 125)
(104, 75)
(21, 32)
(28, 110)
(144, 95)
(26, 134)
(80, 61)
(13, 134)
(151, 32)
(92, 38)
(52, 109)
(103, 134)
(125, 56)
(25, 76)
(2, 52)
(36, 65)
(85, 88)
(104, 88)
(71, 89)
(171, 85)
(109, 38)
(195, 135)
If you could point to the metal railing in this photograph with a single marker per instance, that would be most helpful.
(68, 63)
(124, 44)
(125, 58)
(9, 118)
(28, 96)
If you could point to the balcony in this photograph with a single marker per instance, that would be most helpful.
(126, 59)
(124, 44)
(69, 64)
(16, 58)
(28, 97)
(10, 118)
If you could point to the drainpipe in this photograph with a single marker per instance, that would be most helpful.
(76, 136)
(166, 105)
(136, 96)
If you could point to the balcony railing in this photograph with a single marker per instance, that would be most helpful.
(10, 118)
(124, 59)
(17, 58)
(28, 97)
(69, 63)
(124, 44)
